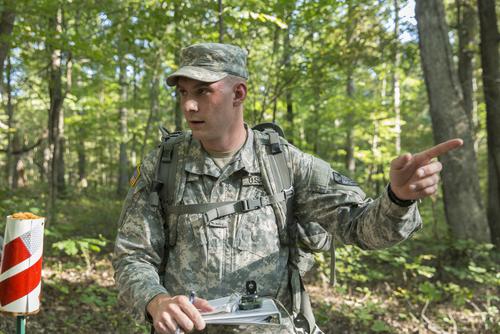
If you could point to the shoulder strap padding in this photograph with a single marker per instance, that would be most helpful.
(165, 169)
(269, 126)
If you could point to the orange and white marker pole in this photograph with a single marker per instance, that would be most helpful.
(21, 267)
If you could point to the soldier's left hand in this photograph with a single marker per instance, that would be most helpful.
(417, 176)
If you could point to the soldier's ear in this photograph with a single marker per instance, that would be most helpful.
(240, 93)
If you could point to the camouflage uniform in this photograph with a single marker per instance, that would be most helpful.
(217, 258)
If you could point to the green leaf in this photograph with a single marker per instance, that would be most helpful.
(379, 326)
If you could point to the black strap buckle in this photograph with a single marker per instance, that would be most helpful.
(251, 204)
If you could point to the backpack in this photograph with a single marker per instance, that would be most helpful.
(277, 180)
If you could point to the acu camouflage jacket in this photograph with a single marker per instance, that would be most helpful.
(217, 258)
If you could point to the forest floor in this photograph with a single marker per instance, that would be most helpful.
(420, 286)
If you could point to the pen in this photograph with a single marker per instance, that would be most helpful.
(192, 295)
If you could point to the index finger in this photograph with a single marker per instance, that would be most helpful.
(441, 148)
(203, 305)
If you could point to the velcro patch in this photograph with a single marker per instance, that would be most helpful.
(136, 176)
(252, 180)
(343, 180)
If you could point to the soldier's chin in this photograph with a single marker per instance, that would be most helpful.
(197, 134)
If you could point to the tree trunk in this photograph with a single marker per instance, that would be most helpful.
(82, 164)
(350, 162)
(7, 17)
(287, 59)
(467, 29)
(11, 136)
(154, 105)
(462, 197)
(61, 170)
(395, 81)
(178, 37)
(80, 142)
(122, 111)
(56, 101)
(491, 84)
(16, 145)
(221, 22)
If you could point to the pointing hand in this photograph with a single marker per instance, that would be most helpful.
(417, 176)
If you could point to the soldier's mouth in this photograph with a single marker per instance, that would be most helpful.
(196, 123)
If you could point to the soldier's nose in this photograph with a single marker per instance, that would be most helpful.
(191, 106)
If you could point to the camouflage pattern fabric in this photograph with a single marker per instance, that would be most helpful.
(217, 258)
(210, 62)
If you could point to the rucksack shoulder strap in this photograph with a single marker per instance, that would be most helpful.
(282, 176)
(166, 167)
(271, 135)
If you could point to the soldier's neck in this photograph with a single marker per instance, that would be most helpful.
(226, 145)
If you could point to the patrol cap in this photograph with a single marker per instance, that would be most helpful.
(210, 62)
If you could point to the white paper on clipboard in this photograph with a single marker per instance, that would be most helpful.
(227, 312)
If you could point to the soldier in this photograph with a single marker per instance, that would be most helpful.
(226, 217)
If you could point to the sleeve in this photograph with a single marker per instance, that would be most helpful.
(139, 246)
(324, 196)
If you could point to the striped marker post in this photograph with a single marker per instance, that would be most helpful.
(21, 268)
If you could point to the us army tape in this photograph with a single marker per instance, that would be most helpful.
(21, 265)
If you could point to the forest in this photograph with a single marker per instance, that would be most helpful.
(354, 82)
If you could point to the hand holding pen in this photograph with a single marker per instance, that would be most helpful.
(192, 296)
(175, 314)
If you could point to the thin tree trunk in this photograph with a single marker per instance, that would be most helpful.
(11, 158)
(80, 143)
(61, 170)
(395, 81)
(376, 157)
(178, 37)
(490, 60)
(221, 22)
(467, 29)
(271, 87)
(7, 17)
(154, 106)
(281, 67)
(82, 164)
(122, 115)
(287, 59)
(462, 197)
(350, 162)
(56, 101)
(82, 158)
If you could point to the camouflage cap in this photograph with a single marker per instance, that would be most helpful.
(210, 62)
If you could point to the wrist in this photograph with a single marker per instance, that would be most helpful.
(152, 305)
(398, 201)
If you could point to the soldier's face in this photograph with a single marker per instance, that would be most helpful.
(208, 108)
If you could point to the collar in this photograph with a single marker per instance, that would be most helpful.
(199, 162)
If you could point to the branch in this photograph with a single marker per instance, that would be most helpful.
(430, 325)
(28, 148)
(453, 322)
